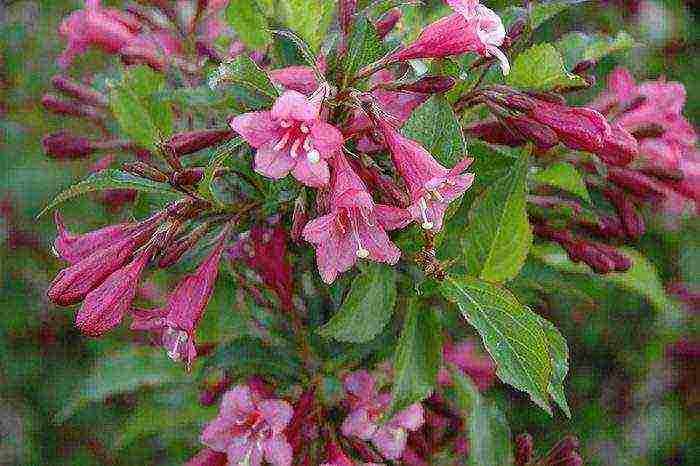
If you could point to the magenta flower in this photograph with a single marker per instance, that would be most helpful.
(72, 248)
(296, 78)
(431, 186)
(464, 356)
(355, 227)
(291, 138)
(250, 428)
(472, 28)
(367, 408)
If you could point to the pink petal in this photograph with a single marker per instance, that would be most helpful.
(217, 435)
(273, 164)
(391, 442)
(314, 175)
(277, 413)
(621, 82)
(296, 78)
(357, 424)
(326, 138)
(376, 241)
(410, 418)
(392, 218)
(361, 384)
(278, 451)
(294, 106)
(257, 128)
(237, 401)
(320, 229)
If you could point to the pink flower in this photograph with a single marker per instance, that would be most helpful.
(208, 457)
(355, 227)
(367, 407)
(291, 138)
(431, 186)
(472, 28)
(465, 357)
(105, 306)
(296, 78)
(73, 248)
(250, 428)
(105, 28)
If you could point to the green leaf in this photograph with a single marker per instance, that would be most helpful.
(308, 18)
(512, 334)
(245, 17)
(418, 358)
(559, 356)
(541, 68)
(564, 176)
(217, 160)
(364, 47)
(641, 278)
(367, 308)
(125, 371)
(139, 105)
(545, 10)
(489, 433)
(498, 237)
(108, 179)
(435, 125)
(244, 72)
(577, 46)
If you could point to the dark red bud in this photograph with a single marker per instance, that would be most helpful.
(60, 106)
(606, 227)
(619, 147)
(346, 9)
(79, 91)
(64, 145)
(145, 171)
(560, 236)
(299, 217)
(188, 177)
(523, 449)
(194, 141)
(583, 66)
(540, 135)
(208, 457)
(429, 85)
(632, 220)
(622, 262)
(550, 97)
(494, 132)
(388, 22)
(209, 395)
(174, 252)
(635, 182)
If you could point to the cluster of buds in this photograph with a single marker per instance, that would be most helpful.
(563, 453)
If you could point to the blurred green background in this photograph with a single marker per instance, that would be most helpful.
(634, 403)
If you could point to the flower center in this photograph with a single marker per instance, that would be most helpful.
(427, 224)
(297, 136)
(348, 218)
(176, 343)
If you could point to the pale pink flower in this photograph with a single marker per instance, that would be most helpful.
(367, 408)
(355, 227)
(472, 28)
(431, 186)
(464, 356)
(250, 428)
(291, 137)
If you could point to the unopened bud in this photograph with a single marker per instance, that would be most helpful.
(621, 262)
(174, 252)
(583, 66)
(429, 85)
(346, 10)
(79, 91)
(619, 147)
(388, 22)
(145, 171)
(299, 217)
(635, 182)
(60, 106)
(561, 450)
(523, 449)
(494, 132)
(540, 135)
(194, 141)
(211, 393)
(632, 221)
(188, 177)
(64, 145)
(605, 227)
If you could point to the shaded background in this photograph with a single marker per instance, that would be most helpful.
(633, 379)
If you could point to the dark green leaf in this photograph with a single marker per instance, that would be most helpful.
(364, 47)
(577, 46)
(217, 160)
(418, 358)
(108, 179)
(244, 72)
(541, 68)
(512, 334)
(559, 355)
(544, 10)
(435, 125)
(249, 22)
(564, 176)
(308, 18)
(367, 308)
(489, 433)
(498, 237)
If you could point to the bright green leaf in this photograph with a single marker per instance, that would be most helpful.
(512, 334)
(308, 18)
(541, 68)
(418, 358)
(108, 179)
(578, 46)
(435, 125)
(367, 308)
(545, 10)
(559, 356)
(244, 72)
(564, 176)
(489, 433)
(498, 237)
(250, 24)
(364, 47)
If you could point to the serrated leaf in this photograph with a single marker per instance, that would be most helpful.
(498, 237)
(564, 176)
(578, 46)
(367, 308)
(559, 356)
(435, 125)
(511, 332)
(489, 433)
(250, 24)
(138, 104)
(541, 68)
(108, 179)
(244, 72)
(545, 10)
(364, 47)
(302, 48)
(308, 18)
(418, 358)
(123, 372)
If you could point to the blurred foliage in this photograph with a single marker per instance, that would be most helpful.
(65, 399)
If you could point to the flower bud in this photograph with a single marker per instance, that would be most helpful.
(540, 135)
(64, 145)
(73, 248)
(605, 227)
(188, 176)
(210, 394)
(561, 451)
(621, 262)
(79, 91)
(194, 141)
(60, 106)
(596, 259)
(300, 217)
(632, 221)
(619, 147)
(387, 22)
(494, 132)
(581, 67)
(346, 10)
(635, 182)
(523, 449)
(208, 457)
(174, 252)
(429, 85)
(145, 171)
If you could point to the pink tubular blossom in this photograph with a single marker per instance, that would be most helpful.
(367, 408)
(72, 248)
(431, 186)
(64, 145)
(291, 137)
(472, 28)
(250, 428)
(355, 227)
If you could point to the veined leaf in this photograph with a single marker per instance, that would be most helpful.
(498, 237)
(418, 358)
(108, 179)
(512, 333)
(564, 176)
(546, 9)
(367, 308)
(559, 356)
(541, 68)
(364, 47)
(244, 72)
(250, 24)
(308, 18)
(435, 125)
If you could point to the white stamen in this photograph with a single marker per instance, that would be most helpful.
(304, 128)
(361, 252)
(307, 144)
(502, 59)
(283, 141)
(427, 224)
(295, 148)
(285, 124)
(313, 156)
(177, 349)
